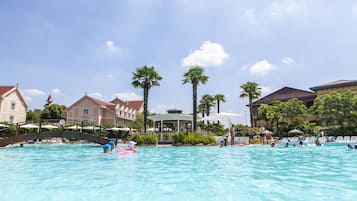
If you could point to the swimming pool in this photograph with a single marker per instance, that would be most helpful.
(81, 172)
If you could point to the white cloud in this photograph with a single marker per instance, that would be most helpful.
(287, 60)
(284, 7)
(109, 76)
(33, 92)
(128, 96)
(249, 13)
(97, 94)
(261, 68)
(209, 54)
(111, 46)
(55, 91)
(265, 89)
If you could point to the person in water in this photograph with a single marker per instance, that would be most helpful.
(351, 146)
(132, 146)
(112, 145)
(301, 144)
(106, 148)
(287, 143)
(272, 144)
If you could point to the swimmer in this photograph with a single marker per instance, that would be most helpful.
(272, 144)
(351, 146)
(106, 148)
(301, 144)
(132, 146)
(287, 143)
(112, 145)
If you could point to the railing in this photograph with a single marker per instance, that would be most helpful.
(53, 134)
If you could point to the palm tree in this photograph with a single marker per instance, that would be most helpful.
(253, 92)
(208, 102)
(145, 77)
(219, 98)
(194, 76)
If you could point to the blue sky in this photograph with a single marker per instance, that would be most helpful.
(69, 48)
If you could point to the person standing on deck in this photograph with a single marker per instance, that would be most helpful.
(232, 132)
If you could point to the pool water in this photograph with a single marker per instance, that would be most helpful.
(81, 172)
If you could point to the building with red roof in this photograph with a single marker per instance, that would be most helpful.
(100, 112)
(13, 106)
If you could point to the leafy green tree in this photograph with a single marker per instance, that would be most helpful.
(194, 76)
(202, 109)
(145, 77)
(33, 116)
(54, 111)
(294, 112)
(336, 109)
(253, 92)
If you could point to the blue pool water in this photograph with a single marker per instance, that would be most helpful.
(81, 172)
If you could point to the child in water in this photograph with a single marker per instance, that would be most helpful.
(106, 148)
(132, 146)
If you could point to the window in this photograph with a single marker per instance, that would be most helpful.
(11, 119)
(13, 104)
(85, 111)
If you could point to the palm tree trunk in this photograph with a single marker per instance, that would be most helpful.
(194, 98)
(146, 96)
(218, 109)
(251, 115)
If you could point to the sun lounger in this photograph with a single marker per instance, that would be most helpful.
(347, 139)
(353, 139)
(339, 139)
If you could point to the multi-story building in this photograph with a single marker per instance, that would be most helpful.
(336, 86)
(100, 112)
(13, 106)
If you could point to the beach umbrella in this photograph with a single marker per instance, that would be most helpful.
(49, 126)
(117, 129)
(91, 128)
(73, 127)
(295, 131)
(3, 125)
(29, 126)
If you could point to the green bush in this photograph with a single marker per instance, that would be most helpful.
(148, 139)
(192, 138)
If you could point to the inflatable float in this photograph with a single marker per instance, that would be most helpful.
(123, 152)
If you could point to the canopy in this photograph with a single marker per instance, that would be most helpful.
(29, 126)
(295, 131)
(49, 126)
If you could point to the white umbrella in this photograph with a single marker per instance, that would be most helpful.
(91, 128)
(3, 125)
(152, 129)
(118, 129)
(29, 126)
(73, 127)
(220, 117)
(49, 126)
(295, 131)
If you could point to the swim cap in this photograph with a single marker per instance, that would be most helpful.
(111, 142)
(132, 142)
(106, 147)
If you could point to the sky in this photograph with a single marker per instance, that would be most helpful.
(71, 48)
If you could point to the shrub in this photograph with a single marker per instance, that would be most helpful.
(192, 138)
(149, 139)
